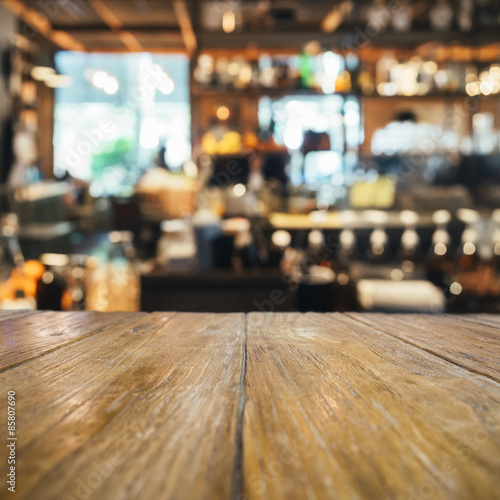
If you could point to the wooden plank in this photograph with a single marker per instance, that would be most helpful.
(473, 344)
(147, 409)
(8, 315)
(31, 335)
(336, 410)
(186, 26)
(107, 15)
(485, 319)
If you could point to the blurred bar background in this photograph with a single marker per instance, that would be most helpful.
(260, 155)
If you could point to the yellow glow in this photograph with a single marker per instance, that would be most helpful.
(223, 113)
(58, 81)
(472, 88)
(486, 88)
(430, 67)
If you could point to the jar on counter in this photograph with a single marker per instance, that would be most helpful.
(114, 285)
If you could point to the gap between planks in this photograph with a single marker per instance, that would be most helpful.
(238, 462)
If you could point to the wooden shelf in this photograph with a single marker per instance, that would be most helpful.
(282, 92)
(263, 92)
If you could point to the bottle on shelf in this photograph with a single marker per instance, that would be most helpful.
(440, 256)
(347, 243)
(76, 281)
(316, 253)
(468, 258)
(280, 242)
(409, 253)
(246, 252)
(378, 251)
(495, 261)
(441, 16)
(345, 288)
(114, 285)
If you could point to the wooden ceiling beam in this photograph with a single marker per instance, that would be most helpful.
(39, 22)
(107, 15)
(186, 26)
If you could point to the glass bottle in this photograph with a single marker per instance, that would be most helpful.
(280, 241)
(378, 16)
(316, 253)
(441, 16)
(345, 289)
(409, 252)
(495, 258)
(495, 240)
(76, 282)
(378, 251)
(115, 284)
(467, 254)
(440, 255)
(465, 14)
(402, 17)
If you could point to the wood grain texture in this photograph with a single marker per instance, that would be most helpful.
(147, 408)
(478, 319)
(7, 315)
(31, 335)
(269, 406)
(465, 341)
(335, 409)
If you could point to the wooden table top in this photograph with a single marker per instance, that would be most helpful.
(156, 406)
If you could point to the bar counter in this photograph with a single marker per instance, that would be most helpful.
(259, 406)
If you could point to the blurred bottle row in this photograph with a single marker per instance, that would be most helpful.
(331, 72)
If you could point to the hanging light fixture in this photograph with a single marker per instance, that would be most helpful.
(228, 21)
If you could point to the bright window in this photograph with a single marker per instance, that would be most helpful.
(118, 113)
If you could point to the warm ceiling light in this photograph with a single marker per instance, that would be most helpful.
(223, 113)
(228, 21)
(41, 73)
